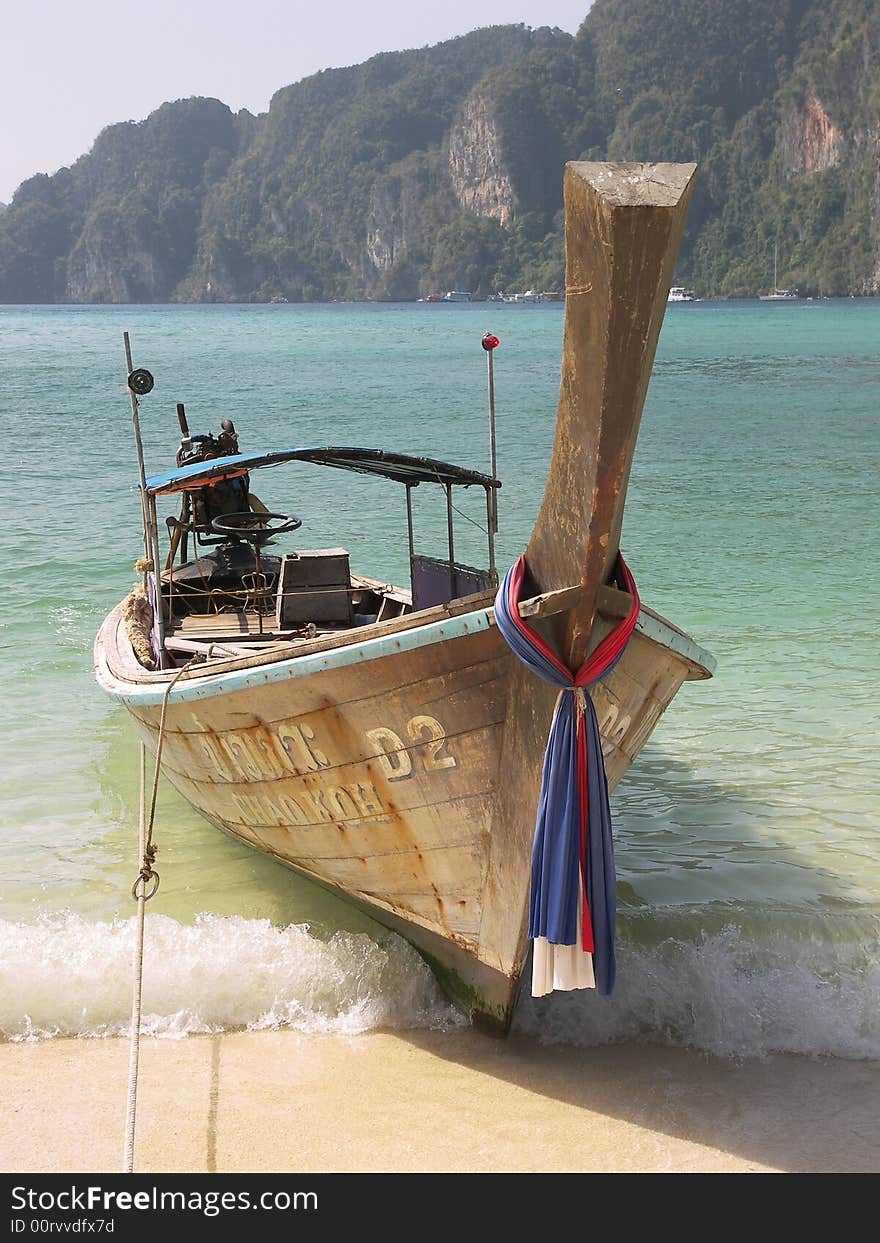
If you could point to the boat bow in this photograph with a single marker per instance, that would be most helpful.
(623, 227)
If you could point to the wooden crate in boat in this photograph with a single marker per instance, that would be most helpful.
(314, 586)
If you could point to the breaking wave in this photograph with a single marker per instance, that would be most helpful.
(747, 988)
(736, 991)
(64, 976)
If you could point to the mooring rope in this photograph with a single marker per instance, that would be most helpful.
(145, 887)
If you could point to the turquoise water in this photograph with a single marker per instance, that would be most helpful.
(747, 832)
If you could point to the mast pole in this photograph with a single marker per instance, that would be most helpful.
(623, 227)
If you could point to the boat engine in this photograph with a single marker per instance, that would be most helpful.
(203, 448)
(222, 496)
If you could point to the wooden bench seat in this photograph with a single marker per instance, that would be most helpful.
(218, 626)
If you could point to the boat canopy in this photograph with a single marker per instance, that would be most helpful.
(397, 466)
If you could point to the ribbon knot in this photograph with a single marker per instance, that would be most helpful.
(580, 699)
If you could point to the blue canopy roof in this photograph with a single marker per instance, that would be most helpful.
(397, 466)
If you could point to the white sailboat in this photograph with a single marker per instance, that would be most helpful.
(777, 294)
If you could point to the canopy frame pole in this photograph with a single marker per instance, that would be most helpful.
(490, 529)
(409, 525)
(451, 535)
(157, 579)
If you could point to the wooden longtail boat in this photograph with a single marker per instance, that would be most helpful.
(384, 741)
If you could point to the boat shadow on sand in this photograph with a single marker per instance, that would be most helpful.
(787, 1112)
(459, 1100)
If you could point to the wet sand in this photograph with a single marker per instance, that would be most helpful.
(432, 1101)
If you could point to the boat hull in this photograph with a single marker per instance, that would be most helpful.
(378, 775)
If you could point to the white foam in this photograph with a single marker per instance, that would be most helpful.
(728, 995)
(64, 976)
(739, 990)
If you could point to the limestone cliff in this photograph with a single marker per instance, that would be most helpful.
(393, 218)
(112, 263)
(809, 141)
(873, 138)
(480, 181)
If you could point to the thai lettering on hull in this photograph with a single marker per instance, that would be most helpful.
(251, 758)
(260, 755)
(349, 804)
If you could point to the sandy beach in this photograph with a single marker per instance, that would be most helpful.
(431, 1101)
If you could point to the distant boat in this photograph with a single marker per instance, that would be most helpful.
(528, 295)
(777, 294)
(678, 293)
(457, 295)
(277, 299)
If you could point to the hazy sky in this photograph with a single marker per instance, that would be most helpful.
(70, 67)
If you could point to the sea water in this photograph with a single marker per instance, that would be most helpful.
(747, 845)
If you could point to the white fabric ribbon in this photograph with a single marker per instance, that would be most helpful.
(562, 967)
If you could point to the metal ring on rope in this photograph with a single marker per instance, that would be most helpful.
(147, 894)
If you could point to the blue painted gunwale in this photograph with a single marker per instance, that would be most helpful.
(191, 690)
(301, 666)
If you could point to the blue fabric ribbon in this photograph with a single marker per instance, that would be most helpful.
(573, 836)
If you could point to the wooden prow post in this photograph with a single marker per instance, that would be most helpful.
(623, 226)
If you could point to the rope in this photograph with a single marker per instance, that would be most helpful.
(144, 888)
(134, 1049)
(185, 590)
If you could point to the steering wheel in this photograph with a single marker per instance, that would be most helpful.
(252, 526)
